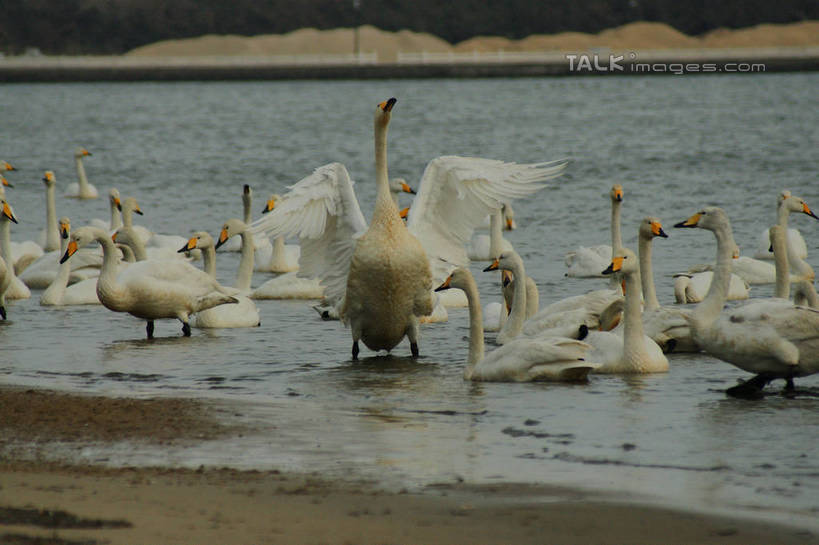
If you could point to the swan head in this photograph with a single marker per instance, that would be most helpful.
(80, 238)
(129, 204)
(5, 165)
(506, 261)
(382, 112)
(113, 197)
(200, 239)
(795, 204)
(508, 217)
(459, 278)
(231, 228)
(65, 227)
(81, 152)
(616, 193)
(400, 185)
(7, 211)
(49, 179)
(624, 261)
(711, 217)
(404, 213)
(4, 182)
(271, 203)
(651, 227)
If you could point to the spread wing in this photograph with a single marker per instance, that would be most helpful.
(323, 212)
(456, 194)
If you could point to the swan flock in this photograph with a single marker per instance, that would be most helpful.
(384, 279)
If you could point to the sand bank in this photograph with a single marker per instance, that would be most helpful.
(59, 503)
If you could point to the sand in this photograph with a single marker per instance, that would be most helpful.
(54, 502)
(386, 45)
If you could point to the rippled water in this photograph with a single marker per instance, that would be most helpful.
(675, 143)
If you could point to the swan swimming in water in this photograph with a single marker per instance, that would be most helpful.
(522, 359)
(771, 338)
(589, 261)
(81, 189)
(150, 290)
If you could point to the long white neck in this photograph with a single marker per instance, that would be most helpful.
(495, 234)
(247, 203)
(209, 260)
(647, 275)
(616, 238)
(632, 319)
(804, 290)
(710, 307)
(782, 214)
(52, 229)
(136, 245)
(517, 315)
(383, 197)
(116, 217)
(111, 294)
(127, 217)
(783, 274)
(245, 273)
(532, 298)
(81, 175)
(5, 243)
(476, 347)
(279, 254)
(53, 294)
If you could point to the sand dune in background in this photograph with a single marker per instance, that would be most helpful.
(633, 36)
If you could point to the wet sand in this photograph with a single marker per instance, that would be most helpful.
(51, 501)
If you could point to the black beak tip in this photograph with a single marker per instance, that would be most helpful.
(681, 224)
(119, 207)
(64, 258)
(139, 212)
(441, 288)
(663, 234)
(183, 249)
(609, 270)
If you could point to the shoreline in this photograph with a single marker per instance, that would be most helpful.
(335, 67)
(124, 505)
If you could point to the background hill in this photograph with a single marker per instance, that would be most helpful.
(117, 26)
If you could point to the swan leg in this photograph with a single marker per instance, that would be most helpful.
(789, 387)
(150, 329)
(3, 312)
(355, 350)
(412, 334)
(750, 389)
(186, 329)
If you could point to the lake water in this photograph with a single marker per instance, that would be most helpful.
(675, 143)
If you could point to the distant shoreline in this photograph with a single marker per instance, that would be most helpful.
(319, 67)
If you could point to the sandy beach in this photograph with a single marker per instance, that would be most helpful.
(52, 501)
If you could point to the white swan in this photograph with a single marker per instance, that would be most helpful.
(692, 287)
(513, 326)
(532, 294)
(633, 352)
(488, 247)
(523, 359)
(804, 277)
(785, 204)
(244, 313)
(589, 262)
(598, 309)
(16, 289)
(50, 236)
(771, 338)
(81, 189)
(150, 290)
(277, 257)
(454, 196)
(59, 293)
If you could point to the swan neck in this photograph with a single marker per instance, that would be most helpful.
(247, 214)
(116, 217)
(709, 309)
(52, 229)
(650, 300)
(245, 273)
(209, 261)
(108, 290)
(81, 174)
(616, 237)
(495, 234)
(54, 293)
(633, 322)
(782, 214)
(517, 316)
(382, 182)
(783, 280)
(5, 242)
(279, 251)
(476, 346)
(127, 218)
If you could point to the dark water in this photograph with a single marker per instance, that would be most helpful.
(675, 143)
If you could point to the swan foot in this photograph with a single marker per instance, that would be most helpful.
(3, 312)
(150, 329)
(414, 349)
(669, 346)
(750, 389)
(355, 350)
(186, 329)
(789, 387)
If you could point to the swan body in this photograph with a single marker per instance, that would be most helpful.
(289, 286)
(795, 240)
(488, 247)
(150, 290)
(599, 309)
(81, 189)
(591, 261)
(495, 316)
(15, 288)
(633, 352)
(691, 288)
(58, 293)
(771, 338)
(523, 359)
(244, 313)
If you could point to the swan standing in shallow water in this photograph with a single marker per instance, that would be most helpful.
(785, 204)
(771, 338)
(244, 313)
(81, 189)
(523, 359)
(150, 290)
(588, 262)
(634, 352)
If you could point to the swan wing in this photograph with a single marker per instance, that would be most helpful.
(456, 194)
(322, 211)
(525, 360)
